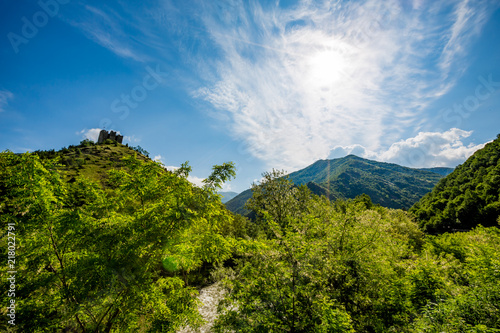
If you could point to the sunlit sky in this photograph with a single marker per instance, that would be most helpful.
(265, 84)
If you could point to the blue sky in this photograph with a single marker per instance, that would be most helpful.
(262, 83)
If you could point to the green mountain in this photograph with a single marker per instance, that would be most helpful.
(237, 204)
(387, 184)
(468, 196)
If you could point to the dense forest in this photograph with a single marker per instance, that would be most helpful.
(107, 240)
(467, 197)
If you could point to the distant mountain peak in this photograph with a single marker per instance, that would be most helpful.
(390, 185)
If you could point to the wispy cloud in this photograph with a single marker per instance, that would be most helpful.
(297, 82)
(5, 96)
(294, 83)
(468, 18)
(107, 28)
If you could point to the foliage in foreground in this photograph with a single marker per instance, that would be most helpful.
(351, 266)
(119, 254)
(90, 260)
(468, 196)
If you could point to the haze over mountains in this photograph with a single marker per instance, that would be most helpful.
(387, 184)
(226, 196)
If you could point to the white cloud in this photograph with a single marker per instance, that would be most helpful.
(427, 149)
(297, 83)
(468, 20)
(93, 134)
(432, 149)
(226, 187)
(170, 167)
(196, 180)
(131, 139)
(90, 134)
(5, 96)
(358, 150)
(158, 159)
(193, 179)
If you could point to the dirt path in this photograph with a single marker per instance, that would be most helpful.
(210, 297)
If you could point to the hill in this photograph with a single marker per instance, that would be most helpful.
(104, 228)
(93, 161)
(389, 185)
(469, 196)
(237, 204)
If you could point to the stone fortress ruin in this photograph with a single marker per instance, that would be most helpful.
(112, 135)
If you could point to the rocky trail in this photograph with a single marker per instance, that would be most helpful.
(210, 297)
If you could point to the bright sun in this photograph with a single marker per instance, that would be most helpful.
(326, 68)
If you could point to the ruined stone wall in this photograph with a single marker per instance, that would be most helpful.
(105, 135)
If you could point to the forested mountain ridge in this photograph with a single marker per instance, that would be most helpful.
(237, 204)
(440, 170)
(469, 196)
(389, 185)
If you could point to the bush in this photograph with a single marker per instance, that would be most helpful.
(86, 143)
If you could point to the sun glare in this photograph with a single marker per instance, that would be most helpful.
(326, 68)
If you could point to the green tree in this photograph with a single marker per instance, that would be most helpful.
(277, 199)
(220, 174)
(138, 149)
(323, 267)
(465, 198)
(86, 143)
(90, 260)
(472, 304)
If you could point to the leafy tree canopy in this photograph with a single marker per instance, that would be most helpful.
(94, 258)
(469, 196)
(351, 266)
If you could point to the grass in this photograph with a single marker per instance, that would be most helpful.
(94, 161)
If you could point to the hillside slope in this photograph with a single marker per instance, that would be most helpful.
(104, 228)
(468, 196)
(237, 204)
(387, 184)
(92, 161)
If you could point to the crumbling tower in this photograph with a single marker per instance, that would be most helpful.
(112, 135)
